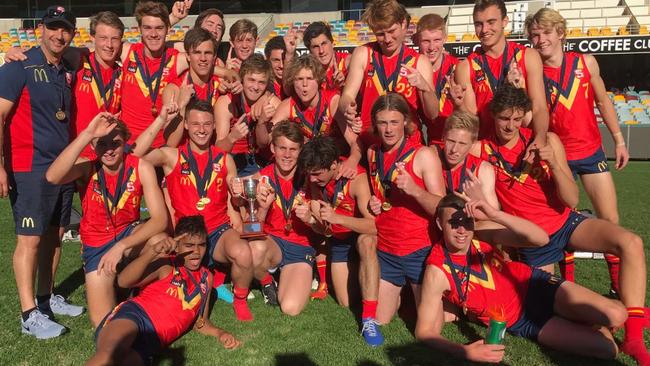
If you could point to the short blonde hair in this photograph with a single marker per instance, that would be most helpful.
(547, 18)
(462, 120)
(382, 14)
(307, 62)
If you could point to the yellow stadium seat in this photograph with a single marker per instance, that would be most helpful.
(635, 110)
(592, 31)
(643, 29)
(451, 38)
(619, 98)
(645, 102)
(632, 122)
(466, 37)
(606, 31)
(622, 31)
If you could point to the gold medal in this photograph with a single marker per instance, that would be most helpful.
(60, 115)
(288, 227)
(200, 323)
(386, 206)
(205, 200)
(154, 111)
(200, 205)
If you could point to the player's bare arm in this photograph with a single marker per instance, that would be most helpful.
(427, 166)
(461, 78)
(535, 90)
(554, 155)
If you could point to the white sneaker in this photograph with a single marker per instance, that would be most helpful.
(60, 306)
(40, 326)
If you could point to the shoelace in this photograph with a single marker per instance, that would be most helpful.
(371, 327)
(36, 321)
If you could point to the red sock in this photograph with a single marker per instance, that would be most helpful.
(368, 309)
(218, 278)
(633, 344)
(613, 266)
(267, 280)
(567, 267)
(321, 266)
(242, 312)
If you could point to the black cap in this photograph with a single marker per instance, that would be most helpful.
(58, 14)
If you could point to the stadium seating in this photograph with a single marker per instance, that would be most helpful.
(632, 107)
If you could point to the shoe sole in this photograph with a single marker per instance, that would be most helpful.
(25, 331)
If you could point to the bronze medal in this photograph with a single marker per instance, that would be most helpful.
(205, 200)
(60, 115)
(288, 227)
(200, 205)
(200, 323)
(386, 206)
(154, 111)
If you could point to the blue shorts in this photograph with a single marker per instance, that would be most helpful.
(342, 249)
(246, 164)
(294, 253)
(538, 306)
(594, 164)
(397, 269)
(146, 343)
(553, 251)
(38, 204)
(90, 256)
(213, 238)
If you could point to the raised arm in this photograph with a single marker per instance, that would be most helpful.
(554, 155)
(536, 92)
(462, 81)
(152, 264)
(143, 142)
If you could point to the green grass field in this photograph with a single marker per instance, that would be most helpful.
(325, 334)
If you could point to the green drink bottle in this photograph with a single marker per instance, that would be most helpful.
(497, 328)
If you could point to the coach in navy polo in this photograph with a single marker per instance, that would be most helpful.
(35, 99)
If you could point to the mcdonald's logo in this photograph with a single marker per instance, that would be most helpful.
(84, 87)
(185, 181)
(40, 75)
(27, 222)
(602, 166)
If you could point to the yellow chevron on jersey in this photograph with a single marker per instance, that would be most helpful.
(567, 98)
(406, 158)
(126, 195)
(535, 172)
(483, 279)
(214, 172)
(484, 85)
(400, 79)
(140, 80)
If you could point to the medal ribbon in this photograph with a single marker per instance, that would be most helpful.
(314, 128)
(197, 287)
(149, 79)
(111, 201)
(104, 88)
(493, 80)
(505, 165)
(202, 181)
(241, 110)
(450, 179)
(286, 204)
(208, 93)
(440, 81)
(388, 82)
(338, 187)
(550, 84)
(385, 177)
(454, 274)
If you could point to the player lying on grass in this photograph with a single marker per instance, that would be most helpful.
(174, 296)
(468, 272)
(116, 182)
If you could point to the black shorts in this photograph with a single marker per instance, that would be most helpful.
(38, 204)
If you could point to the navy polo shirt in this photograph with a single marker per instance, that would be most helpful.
(34, 137)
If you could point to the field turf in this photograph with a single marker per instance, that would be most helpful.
(325, 334)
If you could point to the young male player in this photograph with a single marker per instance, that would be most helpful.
(243, 38)
(116, 182)
(320, 43)
(287, 218)
(212, 20)
(573, 84)
(173, 298)
(406, 185)
(199, 177)
(35, 106)
(486, 69)
(544, 192)
(387, 65)
(466, 270)
(279, 51)
(430, 37)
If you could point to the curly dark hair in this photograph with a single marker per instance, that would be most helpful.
(507, 97)
(319, 153)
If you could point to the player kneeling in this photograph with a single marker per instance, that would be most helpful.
(472, 275)
(174, 295)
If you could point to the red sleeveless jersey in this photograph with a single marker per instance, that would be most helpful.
(340, 59)
(276, 89)
(174, 303)
(97, 227)
(137, 105)
(88, 95)
(275, 223)
(525, 190)
(571, 106)
(337, 193)
(240, 107)
(207, 93)
(494, 283)
(317, 120)
(455, 177)
(446, 105)
(486, 74)
(182, 185)
(377, 81)
(406, 227)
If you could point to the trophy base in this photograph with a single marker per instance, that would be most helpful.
(252, 230)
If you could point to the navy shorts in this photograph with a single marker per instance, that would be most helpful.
(594, 164)
(553, 251)
(91, 256)
(538, 306)
(146, 343)
(397, 269)
(38, 204)
(341, 250)
(213, 238)
(246, 164)
(294, 253)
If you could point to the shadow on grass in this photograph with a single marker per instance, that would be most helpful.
(416, 353)
(75, 280)
(172, 356)
(293, 359)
